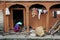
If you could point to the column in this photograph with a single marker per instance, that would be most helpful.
(6, 21)
(27, 18)
(47, 21)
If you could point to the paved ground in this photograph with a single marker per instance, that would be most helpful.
(29, 37)
(25, 36)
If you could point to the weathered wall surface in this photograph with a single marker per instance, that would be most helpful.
(45, 20)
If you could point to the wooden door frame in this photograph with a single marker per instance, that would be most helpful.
(11, 15)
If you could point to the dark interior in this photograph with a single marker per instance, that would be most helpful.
(37, 6)
(17, 16)
(55, 6)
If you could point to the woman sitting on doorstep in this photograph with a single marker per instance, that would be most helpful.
(17, 26)
(53, 30)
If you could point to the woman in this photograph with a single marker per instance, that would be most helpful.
(17, 27)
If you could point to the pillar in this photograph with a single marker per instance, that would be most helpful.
(47, 21)
(27, 18)
(6, 21)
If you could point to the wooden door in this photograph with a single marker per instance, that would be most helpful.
(11, 17)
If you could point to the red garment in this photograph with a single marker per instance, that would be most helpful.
(17, 30)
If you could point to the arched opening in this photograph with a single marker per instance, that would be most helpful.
(54, 14)
(37, 6)
(17, 6)
(36, 20)
(17, 15)
(55, 6)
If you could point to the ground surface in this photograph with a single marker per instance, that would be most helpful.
(27, 37)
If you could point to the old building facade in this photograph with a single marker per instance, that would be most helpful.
(47, 20)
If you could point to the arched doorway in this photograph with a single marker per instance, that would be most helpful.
(17, 15)
(54, 14)
(35, 21)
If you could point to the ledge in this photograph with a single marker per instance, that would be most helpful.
(29, 0)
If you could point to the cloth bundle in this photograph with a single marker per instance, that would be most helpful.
(36, 11)
(39, 13)
(40, 31)
(7, 12)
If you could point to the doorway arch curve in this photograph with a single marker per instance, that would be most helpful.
(17, 6)
(37, 6)
(55, 6)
